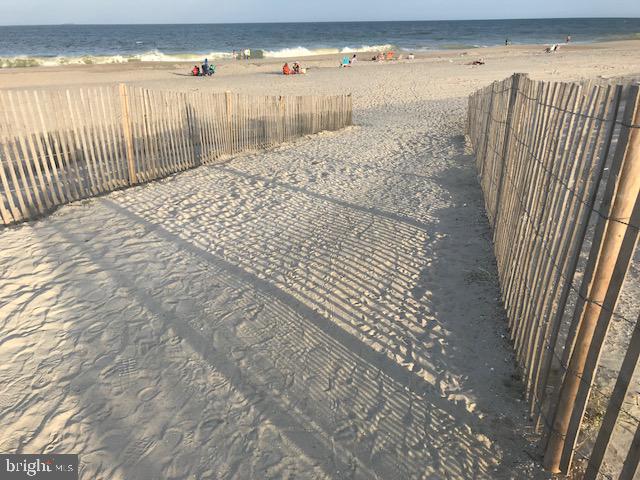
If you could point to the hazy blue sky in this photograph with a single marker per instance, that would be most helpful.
(33, 12)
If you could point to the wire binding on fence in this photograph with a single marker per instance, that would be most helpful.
(495, 138)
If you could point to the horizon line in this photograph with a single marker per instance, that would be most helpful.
(317, 21)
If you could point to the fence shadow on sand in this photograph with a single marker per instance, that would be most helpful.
(329, 319)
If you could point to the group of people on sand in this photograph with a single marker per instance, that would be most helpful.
(294, 69)
(382, 56)
(205, 71)
(347, 62)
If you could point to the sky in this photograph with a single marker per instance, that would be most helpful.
(43, 12)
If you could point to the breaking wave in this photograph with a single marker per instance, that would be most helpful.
(305, 52)
(150, 56)
(158, 56)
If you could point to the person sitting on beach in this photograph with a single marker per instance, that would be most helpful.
(205, 67)
(354, 59)
(411, 56)
(286, 70)
(296, 68)
(345, 62)
(196, 71)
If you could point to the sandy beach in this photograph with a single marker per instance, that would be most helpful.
(434, 75)
(328, 308)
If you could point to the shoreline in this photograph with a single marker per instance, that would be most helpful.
(450, 70)
(226, 57)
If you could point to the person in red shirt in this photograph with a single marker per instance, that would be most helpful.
(286, 70)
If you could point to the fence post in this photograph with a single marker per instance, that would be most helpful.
(283, 123)
(194, 129)
(613, 410)
(625, 196)
(128, 136)
(488, 116)
(515, 83)
(232, 143)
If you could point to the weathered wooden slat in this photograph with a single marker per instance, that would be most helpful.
(21, 160)
(128, 133)
(91, 126)
(45, 138)
(37, 157)
(77, 178)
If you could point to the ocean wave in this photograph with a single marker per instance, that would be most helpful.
(150, 56)
(306, 52)
(158, 56)
(446, 46)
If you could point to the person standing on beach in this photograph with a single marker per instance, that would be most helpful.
(568, 39)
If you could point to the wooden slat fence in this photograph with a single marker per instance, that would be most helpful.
(559, 166)
(60, 146)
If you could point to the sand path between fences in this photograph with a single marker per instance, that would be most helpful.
(325, 309)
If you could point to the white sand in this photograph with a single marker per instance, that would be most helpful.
(327, 309)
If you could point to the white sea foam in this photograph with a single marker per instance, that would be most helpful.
(305, 52)
(158, 56)
(150, 56)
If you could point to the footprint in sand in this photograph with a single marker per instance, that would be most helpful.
(207, 428)
(346, 433)
(172, 438)
(148, 394)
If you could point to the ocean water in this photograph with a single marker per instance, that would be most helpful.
(62, 44)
